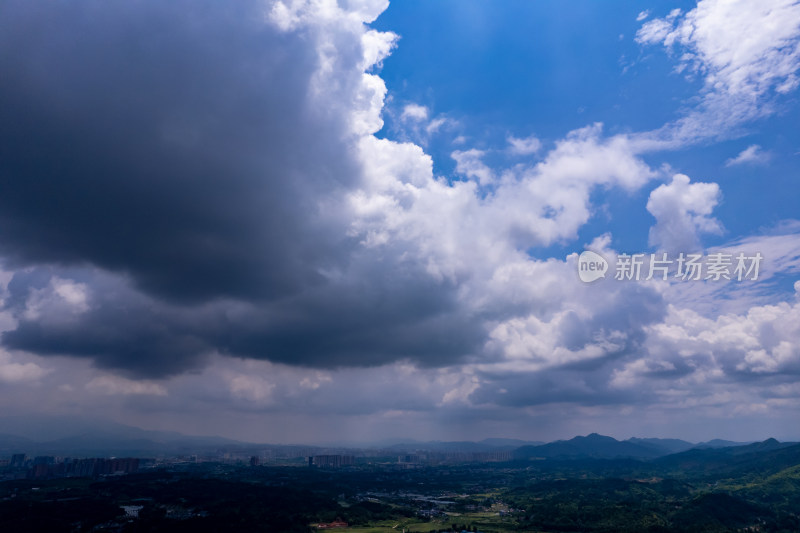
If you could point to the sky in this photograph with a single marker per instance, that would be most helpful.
(318, 221)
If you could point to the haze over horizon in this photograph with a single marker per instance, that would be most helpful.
(83, 435)
(315, 221)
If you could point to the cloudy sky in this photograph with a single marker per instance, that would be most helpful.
(311, 220)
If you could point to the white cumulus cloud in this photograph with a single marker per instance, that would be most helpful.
(683, 212)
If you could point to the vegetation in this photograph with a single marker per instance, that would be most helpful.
(753, 488)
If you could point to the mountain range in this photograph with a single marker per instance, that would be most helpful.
(596, 446)
(50, 435)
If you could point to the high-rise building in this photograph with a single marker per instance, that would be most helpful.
(331, 461)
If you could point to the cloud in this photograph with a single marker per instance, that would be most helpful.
(642, 15)
(438, 123)
(469, 163)
(431, 269)
(549, 201)
(249, 387)
(421, 281)
(658, 30)
(369, 317)
(416, 123)
(682, 211)
(566, 323)
(524, 146)
(602, 349)
(414, 112)
(753, 154)
(120, 328)
(116, 385)
(780, 247)
(14, 372)
(377, 46)
(219, 226)
(204, 183)
(172, 155)
(741, 76)
(689, 351)
(61, 298)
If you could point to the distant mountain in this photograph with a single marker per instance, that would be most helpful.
(55, 435)
(83, 436)
(384, 443)
(719, 443)
(763, 446)
(768, 455)
(663, 446)
(514, 443)
(10, 444)
(50, 427)
(669, 453)
(411, 445)
(486, 445)
(591, 446)
(52, 435)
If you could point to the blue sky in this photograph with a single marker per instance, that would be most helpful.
(278, 220)
(543, 69)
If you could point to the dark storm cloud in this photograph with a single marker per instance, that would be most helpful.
(553, 386)
(171, 141)
(122, 329)
(179, 150)
(363, 323)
